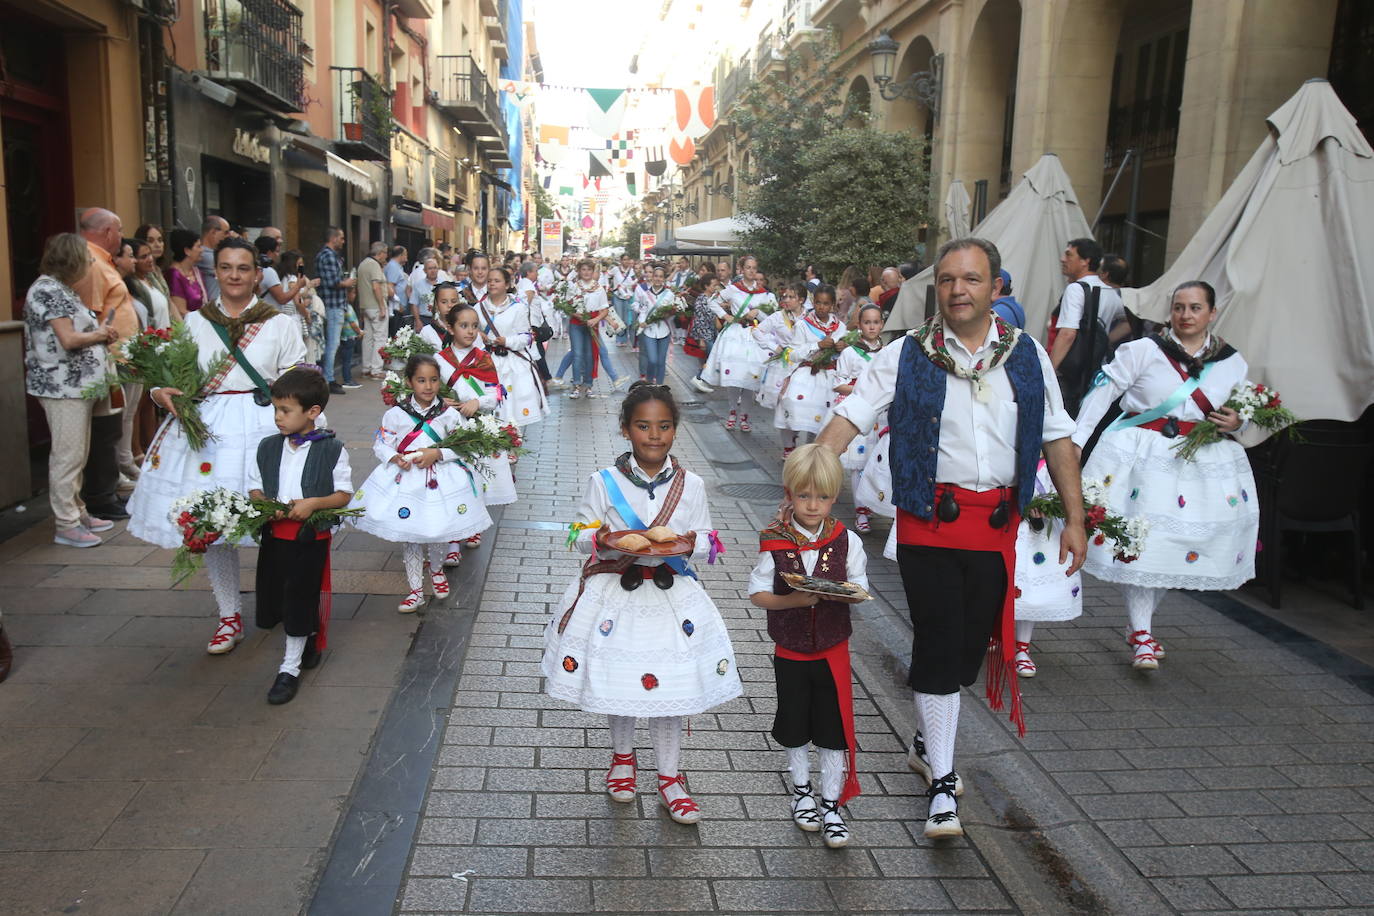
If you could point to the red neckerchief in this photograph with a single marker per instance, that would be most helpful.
(477, 364)
(783, 536)
(744, 289)
(834, 323)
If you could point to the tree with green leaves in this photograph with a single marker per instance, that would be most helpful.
(630, 231)
(543, 204)
(868, 194)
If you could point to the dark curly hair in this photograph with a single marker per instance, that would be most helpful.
(641, 392)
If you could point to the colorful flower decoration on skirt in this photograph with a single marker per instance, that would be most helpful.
(403, 512)
(722, 666)
(1181, 501)
(688, 627)
(649, 681)
(1191, 557)
(462, 508)
(569, 664)
(1038, 558)
(605, 627)
(205, 468)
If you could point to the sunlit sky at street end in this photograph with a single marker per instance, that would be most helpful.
(591, 42)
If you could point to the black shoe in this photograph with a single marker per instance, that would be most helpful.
(113, 512)
(283, 689)
(336, 388)
(310, 658)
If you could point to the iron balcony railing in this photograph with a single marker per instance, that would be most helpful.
(255, 45)
(796, 16)
(464, 91)
(363, 122)
(733, 86)
(1149, 126)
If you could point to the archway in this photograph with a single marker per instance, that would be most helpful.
(858, 103)
(909, 115)
(987, 104)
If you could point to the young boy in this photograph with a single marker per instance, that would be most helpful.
(811, 659)
(306, 468)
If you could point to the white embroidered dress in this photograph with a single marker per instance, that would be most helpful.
(807, 397)
(774, 334)
(496, 480)
(524, 402)
(736, 359)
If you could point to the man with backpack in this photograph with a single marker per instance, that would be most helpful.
(1079, 344)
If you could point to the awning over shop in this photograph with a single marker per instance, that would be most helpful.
(436, 219)
(344, 170)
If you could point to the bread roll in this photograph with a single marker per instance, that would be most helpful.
(661, 535)
(632, 542)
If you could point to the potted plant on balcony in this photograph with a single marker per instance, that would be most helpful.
(371, 107)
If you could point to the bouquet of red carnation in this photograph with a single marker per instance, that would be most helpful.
(1256, 403)
(158, 358)
(1127, 534)
(208, 517)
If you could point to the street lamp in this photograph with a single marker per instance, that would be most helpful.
(923, 87)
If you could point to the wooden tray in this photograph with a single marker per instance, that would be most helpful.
(825, 587)
(679, 546)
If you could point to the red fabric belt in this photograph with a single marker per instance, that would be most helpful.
(837, 659)
(285, 529)
(1184, 426)
(249, 391)
(971, 531)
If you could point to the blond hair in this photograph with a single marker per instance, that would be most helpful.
(66, 258)
(813, 467)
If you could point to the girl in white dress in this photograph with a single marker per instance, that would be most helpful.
(851, 364)
(421, 496)
(807, 395)
(269, 342)
(470, 374)
(1044, 594)
(639, 636)
(508, 336)
(654, 337)
(736, 359)
(1203, 514)
(774, 335)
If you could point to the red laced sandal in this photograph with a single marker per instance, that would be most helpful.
(228, 634)
(744, 426)
(683, 810)
(730, 423)
(439, 582)
(412, 601)
(622, 788)
(1145, 658)
(1024, 666)
(474, 541)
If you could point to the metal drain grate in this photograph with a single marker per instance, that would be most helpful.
(753, 492)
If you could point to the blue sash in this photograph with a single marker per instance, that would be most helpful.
(632, 520)
(1181, 394)
(820, 335)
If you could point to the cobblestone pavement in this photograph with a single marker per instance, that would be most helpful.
(1236, 778)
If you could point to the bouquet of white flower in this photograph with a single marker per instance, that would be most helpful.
(1127, 534)
(405, 344)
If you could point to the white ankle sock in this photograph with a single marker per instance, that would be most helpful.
(832, 772)
(1024, 629)
(940, 713)
(622, 733)
(799, 764)
(291, 659)
(1141, 603)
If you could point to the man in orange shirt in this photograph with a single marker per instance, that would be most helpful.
(104, 293)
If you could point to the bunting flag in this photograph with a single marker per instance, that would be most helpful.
(551, 133)
(655, 161)
(566, 191)
(553, 153)
(630, 185)
(597, 166)
(696, 110)
(605, 111)
(682, 149)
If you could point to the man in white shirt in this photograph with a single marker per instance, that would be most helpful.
(971, 410)
(623, 280)
(1079, 263)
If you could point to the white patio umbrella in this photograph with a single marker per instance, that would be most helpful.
(1287, 249)
(723, 231)
(957, 210)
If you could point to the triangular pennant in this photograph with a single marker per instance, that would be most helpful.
(605, 111)
(605, 98)
(630, 185)
(597, 166)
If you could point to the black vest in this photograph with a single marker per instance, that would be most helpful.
(317, 478)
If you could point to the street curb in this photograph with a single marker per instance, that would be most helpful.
(367, 856)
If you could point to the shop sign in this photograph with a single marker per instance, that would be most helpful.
(250, 147)
(551, 238)
(647, 240)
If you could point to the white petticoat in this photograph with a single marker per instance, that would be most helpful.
(649, 652)
(409, 511)
(1046, 594)
(861, 447)
(875, 481)
(172, 470)
(770, 383)
(524, 402)
(736, 360)
(497, 481)
(805, 401)
(1203, 514)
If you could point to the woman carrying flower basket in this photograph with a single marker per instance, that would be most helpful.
(1202, 513)
(252, 343)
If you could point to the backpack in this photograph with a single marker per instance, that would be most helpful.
(1088, 352)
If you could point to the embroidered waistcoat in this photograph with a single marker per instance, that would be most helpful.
(811, 629)
(917, 404)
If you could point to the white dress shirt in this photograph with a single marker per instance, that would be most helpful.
(622, 283)
(1142, 376)
(293, 465)
(646, 300)
(775, 331)
(807, 335)
(1109, 306)
(733, 298)
(855, 570)
(691, 514)
(977, 440)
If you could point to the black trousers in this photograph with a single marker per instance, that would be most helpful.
(954, 598)
(288, 584)
(808, 705)
(101, 477)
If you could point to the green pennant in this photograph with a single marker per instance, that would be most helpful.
(605, 98)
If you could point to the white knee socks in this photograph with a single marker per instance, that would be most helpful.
(832, 772)
(799, 764)
(1024, 629)
(222, 566)
(291, 660)
(1141, 603)
(414, 558)
(622, 733)
(437, 552)
(665, 733)
(939, 715)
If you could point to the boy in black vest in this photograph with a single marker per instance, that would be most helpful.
(811, 659)
(307, 468)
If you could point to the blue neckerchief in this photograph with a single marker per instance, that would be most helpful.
(316, 434)
(632, 520)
